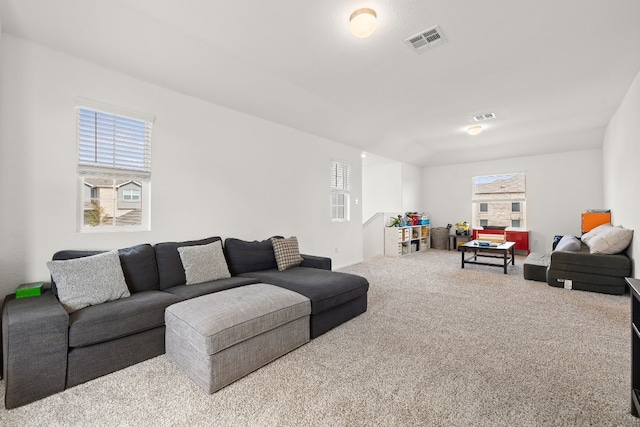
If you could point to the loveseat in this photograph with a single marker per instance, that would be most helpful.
(48, 349)
(596, 262)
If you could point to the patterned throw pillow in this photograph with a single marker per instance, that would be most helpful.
(286, 252)
(204, 263)
(90, 280)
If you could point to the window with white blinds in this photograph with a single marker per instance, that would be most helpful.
(114, 169)
(113, 144)
(340, 191)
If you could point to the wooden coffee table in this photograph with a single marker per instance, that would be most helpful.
(503, 251)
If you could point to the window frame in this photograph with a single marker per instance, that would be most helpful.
(340, 176)
(118, 148)
(514, 194)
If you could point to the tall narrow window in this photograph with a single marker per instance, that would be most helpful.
(499, 200)
(114, 169)
(340, 191)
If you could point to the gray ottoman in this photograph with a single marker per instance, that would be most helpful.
(535, 267)
(219, 338)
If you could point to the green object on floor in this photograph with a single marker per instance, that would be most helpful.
(29, 290)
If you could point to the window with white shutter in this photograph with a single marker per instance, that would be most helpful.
(340, 191)
(114, 168)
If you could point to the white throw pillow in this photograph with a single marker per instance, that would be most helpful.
(611, 241)
(204, 263)
(594, 232)
(91, 280)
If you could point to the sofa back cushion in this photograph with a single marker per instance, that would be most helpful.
(170, 268)
(245, 257)
(140, 268)
(138, 265)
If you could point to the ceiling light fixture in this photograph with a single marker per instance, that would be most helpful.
(474, 130)
(362, 22)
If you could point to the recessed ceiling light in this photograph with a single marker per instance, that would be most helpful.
(474, 130)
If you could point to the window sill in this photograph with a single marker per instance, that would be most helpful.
(94, 230)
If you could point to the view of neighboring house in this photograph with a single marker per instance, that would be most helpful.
(499, 200)
(112, 202)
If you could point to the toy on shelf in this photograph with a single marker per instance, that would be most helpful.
(462, 228)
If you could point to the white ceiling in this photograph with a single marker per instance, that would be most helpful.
(553, 71)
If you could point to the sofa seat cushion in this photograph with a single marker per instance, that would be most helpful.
(617, 265)
(192, 291)
(114, 319)
(325, 289)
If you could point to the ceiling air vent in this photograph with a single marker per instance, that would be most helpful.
(483, 117)
(425, 39)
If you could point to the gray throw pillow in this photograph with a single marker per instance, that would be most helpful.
(91, 280)
(204, 263)
(568, 243)
(286, 252)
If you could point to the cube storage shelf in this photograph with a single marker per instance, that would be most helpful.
(399, 241)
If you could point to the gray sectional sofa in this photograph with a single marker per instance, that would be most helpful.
(46, 349)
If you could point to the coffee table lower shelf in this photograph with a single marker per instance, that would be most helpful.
(503, 251)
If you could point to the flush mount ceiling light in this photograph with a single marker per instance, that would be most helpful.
(474, 130)
(362, 22)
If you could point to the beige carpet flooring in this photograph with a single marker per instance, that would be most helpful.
(439, 346)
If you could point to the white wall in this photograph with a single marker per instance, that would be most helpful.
(411, 179)
(390, 186)
(381, 188)
(559, 188)
(215, 171)
(621, 151)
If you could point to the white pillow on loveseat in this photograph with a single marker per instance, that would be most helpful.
(611, 240)
(594, 232)
(91, 280)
